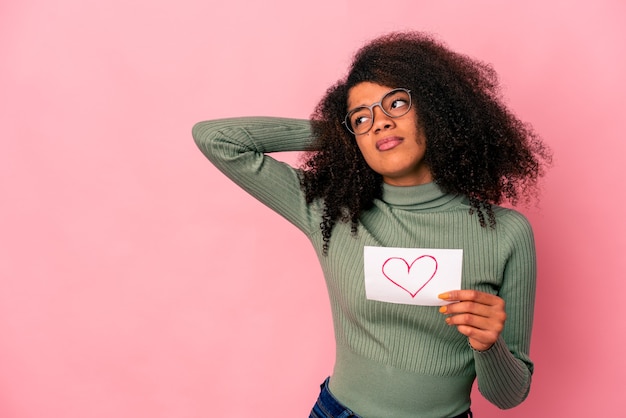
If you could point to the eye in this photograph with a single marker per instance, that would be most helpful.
(358, 120)
(398, 103)
(360, 116)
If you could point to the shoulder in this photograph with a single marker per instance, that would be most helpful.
(512, 223)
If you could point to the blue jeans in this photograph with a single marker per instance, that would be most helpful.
(329, 407)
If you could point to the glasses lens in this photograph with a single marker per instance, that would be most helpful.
(396, 103)
(360, 120)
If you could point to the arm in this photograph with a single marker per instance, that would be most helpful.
(504, 372)
(237, 147)
(499, 333)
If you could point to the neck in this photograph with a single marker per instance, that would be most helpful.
(421, 197)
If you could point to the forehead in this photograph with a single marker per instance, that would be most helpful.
(366, 93)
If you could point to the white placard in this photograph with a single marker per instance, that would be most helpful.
(412, 276)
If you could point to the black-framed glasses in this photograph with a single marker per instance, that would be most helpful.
(394, 104)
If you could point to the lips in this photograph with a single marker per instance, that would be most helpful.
(388, 143)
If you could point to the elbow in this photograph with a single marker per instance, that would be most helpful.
(197, 131)
(514, 398)
(206, 135)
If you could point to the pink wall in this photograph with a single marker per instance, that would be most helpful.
(136, 281)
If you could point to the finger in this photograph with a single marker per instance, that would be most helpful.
(467, 308)
(481, 323)
(475, 308)
(470, 295)
(479, 339)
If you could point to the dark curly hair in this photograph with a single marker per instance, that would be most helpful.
(474, 145)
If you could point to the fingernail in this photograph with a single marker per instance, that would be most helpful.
(443, 309)
(444, 296)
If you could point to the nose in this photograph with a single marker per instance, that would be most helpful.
(381, 119)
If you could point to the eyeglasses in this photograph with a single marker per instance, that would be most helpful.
(394, 104)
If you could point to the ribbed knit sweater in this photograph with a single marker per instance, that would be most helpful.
(395, 360)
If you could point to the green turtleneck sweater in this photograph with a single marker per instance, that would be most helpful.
(395, 360)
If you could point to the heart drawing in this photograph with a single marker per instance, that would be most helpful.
(411, 278)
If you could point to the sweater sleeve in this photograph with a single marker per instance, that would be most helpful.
(504, 371)
(238, 148)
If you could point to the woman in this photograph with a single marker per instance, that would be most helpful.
(413, 149)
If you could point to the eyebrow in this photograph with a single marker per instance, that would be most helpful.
(365, 105)
(368, 105)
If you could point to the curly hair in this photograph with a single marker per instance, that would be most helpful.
(474, 145)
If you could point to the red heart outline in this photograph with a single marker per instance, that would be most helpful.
(408, 266)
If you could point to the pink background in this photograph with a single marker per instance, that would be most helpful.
(136, 281)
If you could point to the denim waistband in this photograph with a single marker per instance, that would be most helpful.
(327, 406)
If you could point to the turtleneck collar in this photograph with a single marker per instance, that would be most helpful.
(421, 197)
